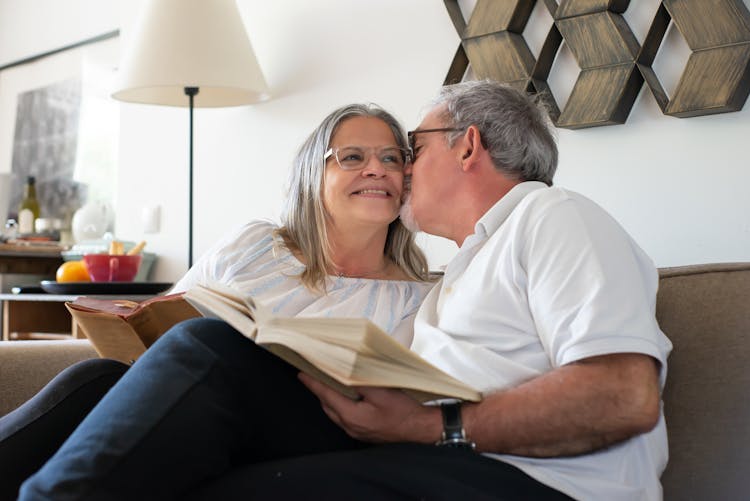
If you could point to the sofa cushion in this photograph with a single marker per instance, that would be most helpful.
(26, 366)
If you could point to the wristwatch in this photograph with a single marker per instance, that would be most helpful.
(454, 434)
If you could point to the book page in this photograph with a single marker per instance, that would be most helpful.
(349, 351)
(355, 352)
(213, 305)
(242, 302)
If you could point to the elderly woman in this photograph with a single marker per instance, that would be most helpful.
(199, 402)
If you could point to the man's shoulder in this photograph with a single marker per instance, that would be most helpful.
(561, 212)
(553, 197)
(553, 194)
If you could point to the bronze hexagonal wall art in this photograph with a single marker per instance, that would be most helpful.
(492, 42)
(613, 65)
(605, 49)
(716, 78)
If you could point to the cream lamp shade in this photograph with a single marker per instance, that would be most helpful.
(192, 53)
(190, 43)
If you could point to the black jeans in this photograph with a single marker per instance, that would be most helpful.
(32, 433)
(207, 414)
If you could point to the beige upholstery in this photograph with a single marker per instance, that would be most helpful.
(26, 366)
(705, 311)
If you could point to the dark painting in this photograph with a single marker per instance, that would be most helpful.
(44, 146)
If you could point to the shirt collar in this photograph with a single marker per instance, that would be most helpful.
(498, 213)
(487, 225)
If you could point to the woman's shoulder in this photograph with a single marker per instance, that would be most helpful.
(259, 227)
(250, 233)
(248, 238)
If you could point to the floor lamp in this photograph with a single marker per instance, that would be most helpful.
(192, 53)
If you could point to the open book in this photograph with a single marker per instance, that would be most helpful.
(341, 352)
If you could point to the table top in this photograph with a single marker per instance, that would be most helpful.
(30, 250)
(69, 297)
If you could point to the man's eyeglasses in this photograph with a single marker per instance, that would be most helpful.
(357, 157)
(412, 135)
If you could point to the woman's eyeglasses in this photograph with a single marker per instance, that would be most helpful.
(357, 157)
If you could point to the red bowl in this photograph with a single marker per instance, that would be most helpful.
(110, 268)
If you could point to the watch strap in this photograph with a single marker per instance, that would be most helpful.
(454, 434)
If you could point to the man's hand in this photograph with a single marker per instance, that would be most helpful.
(381, 415)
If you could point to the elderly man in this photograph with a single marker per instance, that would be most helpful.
(548, 308)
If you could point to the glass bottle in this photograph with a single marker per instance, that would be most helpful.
(28, 210)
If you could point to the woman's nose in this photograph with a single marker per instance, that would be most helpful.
(374, 167)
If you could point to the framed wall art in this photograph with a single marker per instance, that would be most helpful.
(59, 124)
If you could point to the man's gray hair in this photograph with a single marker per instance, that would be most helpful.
(304, 218)
(514, 126)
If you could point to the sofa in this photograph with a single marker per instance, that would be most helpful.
(705, 311)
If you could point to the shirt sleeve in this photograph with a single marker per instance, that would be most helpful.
(213, 264)
(592, 290)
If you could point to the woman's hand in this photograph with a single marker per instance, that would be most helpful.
(381, 415)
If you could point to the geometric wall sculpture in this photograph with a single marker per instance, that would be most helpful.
(492, 41)
(613, 64)
(716, 78)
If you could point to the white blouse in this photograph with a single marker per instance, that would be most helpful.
(252, 262)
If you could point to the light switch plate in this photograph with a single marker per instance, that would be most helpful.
(150, 217)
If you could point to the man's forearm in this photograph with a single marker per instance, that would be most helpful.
(572, 410)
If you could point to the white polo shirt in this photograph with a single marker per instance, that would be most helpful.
(549, 278)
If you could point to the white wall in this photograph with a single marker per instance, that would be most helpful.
(675, 184)
(30, 27)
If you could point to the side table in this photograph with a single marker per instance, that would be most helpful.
(44, 316)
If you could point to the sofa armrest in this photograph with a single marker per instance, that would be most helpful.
(704, 310)
(26, 366)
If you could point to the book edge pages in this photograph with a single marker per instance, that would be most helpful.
(210, 306)
(423, 378)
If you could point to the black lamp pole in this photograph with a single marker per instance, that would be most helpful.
(190, 92)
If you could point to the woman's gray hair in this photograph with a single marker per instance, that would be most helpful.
(304, 217)
(514, 126)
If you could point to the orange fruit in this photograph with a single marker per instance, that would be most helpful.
(73, 271)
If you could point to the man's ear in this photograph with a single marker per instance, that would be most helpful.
(471, 147)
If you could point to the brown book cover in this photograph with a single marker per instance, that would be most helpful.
(122, 329)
